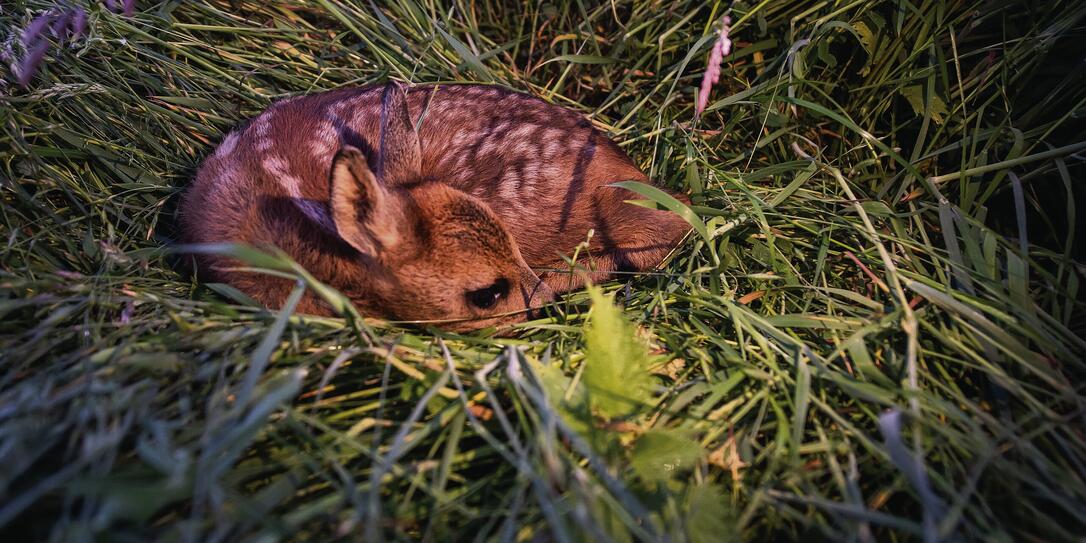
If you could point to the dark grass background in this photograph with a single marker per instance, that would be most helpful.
(879, 338)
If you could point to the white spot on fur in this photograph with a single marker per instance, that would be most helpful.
(262, 128)
(324, 142)
(466, 139)
(226, 148)
(523, 133)
(531, 172)
(552, 138)
(508, 188)
(318, 213)
(461, 162)
(357, 109)
(336, 110)
(489, 147)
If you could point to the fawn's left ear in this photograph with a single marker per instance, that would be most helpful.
(365, 214)
(399, 158)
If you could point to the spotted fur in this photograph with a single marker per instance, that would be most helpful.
(493, 184)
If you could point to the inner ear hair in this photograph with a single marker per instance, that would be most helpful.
(362, 209)
(399, 156)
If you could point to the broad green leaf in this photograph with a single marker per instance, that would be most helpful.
(135, 497)
(709, 518)
(245, 253)
(659, 455)
(616, 362)
(824, 322)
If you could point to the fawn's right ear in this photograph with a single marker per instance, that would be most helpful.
(365, 214)
(399, 158)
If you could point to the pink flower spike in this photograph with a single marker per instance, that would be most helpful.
(721, 49)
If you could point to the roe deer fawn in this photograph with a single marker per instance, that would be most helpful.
(443, 222)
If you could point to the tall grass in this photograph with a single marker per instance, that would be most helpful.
(879, 336)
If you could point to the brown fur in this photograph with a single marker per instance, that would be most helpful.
(493, 184)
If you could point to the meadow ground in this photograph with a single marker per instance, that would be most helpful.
(875, 333)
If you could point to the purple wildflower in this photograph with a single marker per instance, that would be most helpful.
(721, 49)
(30, 63)
(79, 23)
(111, 5)
(126, 313)
(129, 8)
(59, 29)
(7, 54)
(33, 30)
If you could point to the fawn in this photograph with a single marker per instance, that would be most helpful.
(445, 221)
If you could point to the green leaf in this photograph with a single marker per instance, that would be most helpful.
(134, 496)
(245, 253)
(465, 53)
(234, 294)
(915, 96)
(616, 363)
(659, 455)
(669, 202)
(581, 59)
(867, 37)
(792, 187)
(571, 405)
(877, 208)
(709, 519)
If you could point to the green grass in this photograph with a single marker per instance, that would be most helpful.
(889, 190)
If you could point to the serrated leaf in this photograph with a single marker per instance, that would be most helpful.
(616, 363)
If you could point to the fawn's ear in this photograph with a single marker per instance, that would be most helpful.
(365, 214)
(399, 158)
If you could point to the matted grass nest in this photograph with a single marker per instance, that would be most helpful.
(875, 335)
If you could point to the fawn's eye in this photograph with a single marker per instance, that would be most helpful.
(486, 297)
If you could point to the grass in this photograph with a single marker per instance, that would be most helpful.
(879, 338)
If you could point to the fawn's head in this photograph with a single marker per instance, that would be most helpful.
(433, 252)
